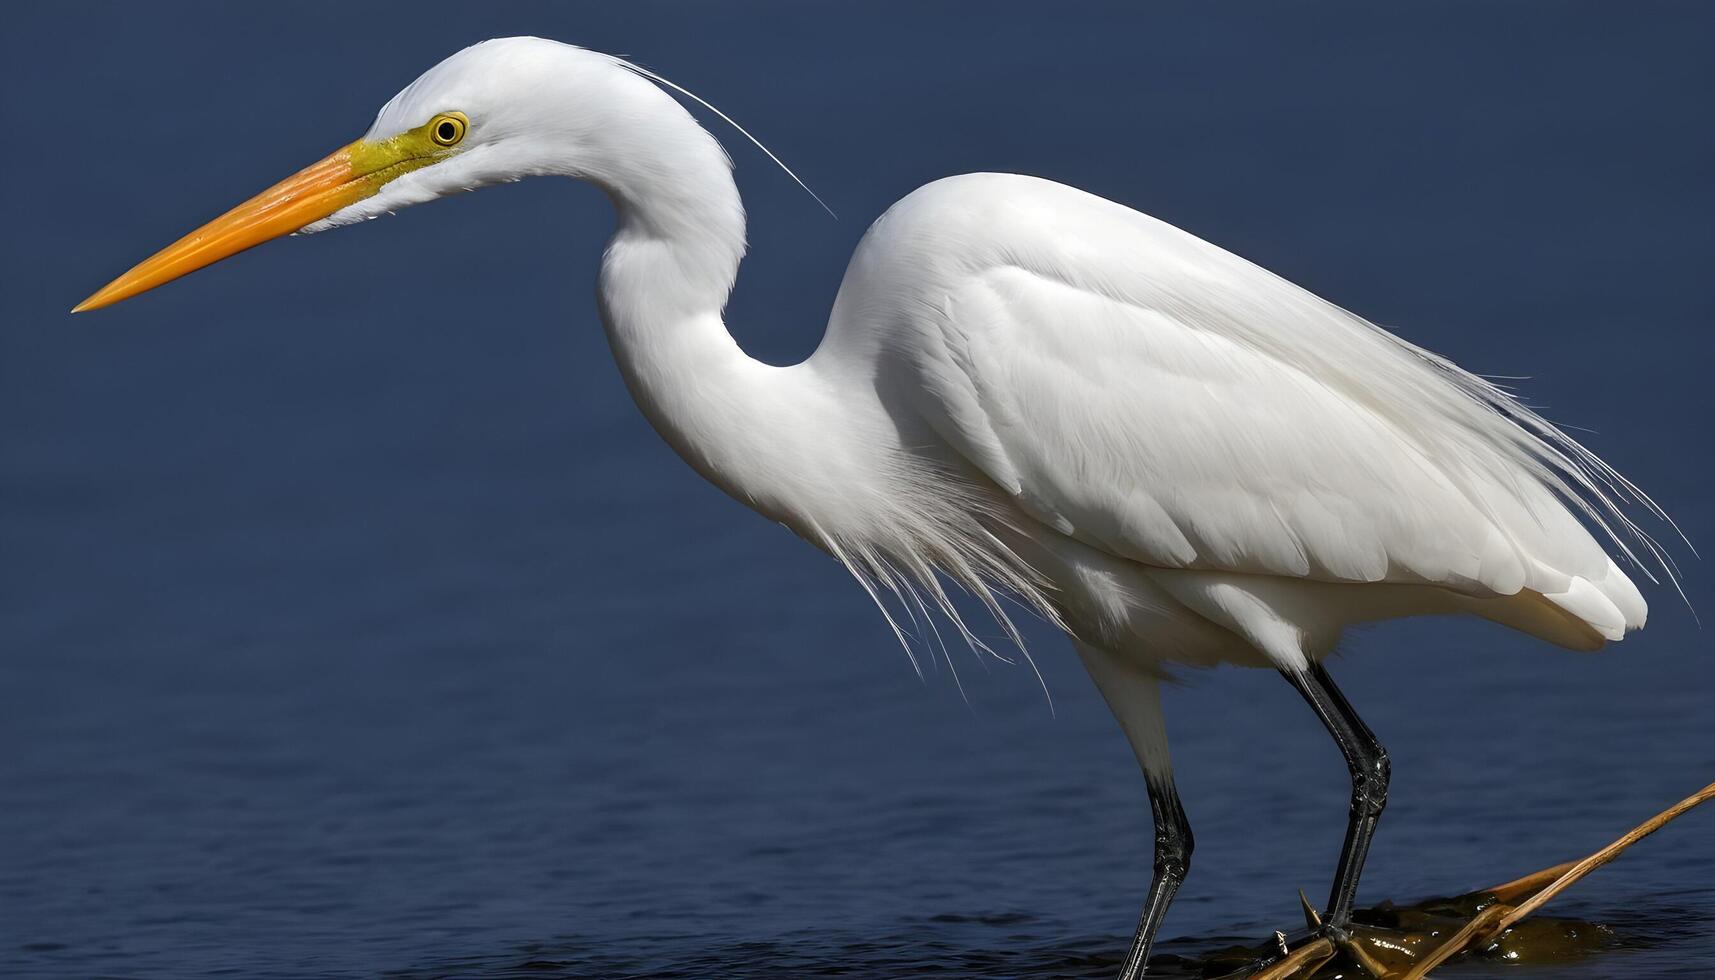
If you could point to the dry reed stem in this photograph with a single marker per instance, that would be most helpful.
(1485, 926)
(1320, 950)
(1603, 856)
(1455, 944)
(1530, 884)
(1362, 957)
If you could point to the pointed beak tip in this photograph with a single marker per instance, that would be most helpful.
(303, 198)
(102, 297)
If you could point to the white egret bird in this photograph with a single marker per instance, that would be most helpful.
(1030, 391)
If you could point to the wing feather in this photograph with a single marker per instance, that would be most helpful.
(1157, 397)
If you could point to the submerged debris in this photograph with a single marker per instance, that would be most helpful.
(1392, 942)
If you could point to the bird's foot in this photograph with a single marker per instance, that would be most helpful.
(1306, 950)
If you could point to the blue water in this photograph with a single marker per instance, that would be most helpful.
(353, 622)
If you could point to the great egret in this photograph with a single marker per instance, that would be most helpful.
(1037, 393)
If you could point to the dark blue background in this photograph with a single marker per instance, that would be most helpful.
(353, 620)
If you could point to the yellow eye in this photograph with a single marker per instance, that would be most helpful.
(448, 128)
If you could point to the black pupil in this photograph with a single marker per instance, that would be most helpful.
(447, 131)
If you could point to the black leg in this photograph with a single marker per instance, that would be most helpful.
(1368, 763)
(1172, 860)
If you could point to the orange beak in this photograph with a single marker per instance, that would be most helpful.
(308, 195)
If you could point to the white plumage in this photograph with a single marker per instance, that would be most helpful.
(1030, 391)
(1176, 409)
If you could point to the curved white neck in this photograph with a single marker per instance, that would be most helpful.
(744, 425)
(813, 445)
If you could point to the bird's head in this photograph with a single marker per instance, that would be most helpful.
(497, 111)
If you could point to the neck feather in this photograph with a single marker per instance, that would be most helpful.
(810, 445)
(664, 281)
